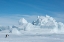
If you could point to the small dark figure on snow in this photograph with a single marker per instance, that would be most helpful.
(6, 35)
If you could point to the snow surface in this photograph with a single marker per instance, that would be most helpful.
(43, 29)
(32, 38)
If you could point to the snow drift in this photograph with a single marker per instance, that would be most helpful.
(43, 24)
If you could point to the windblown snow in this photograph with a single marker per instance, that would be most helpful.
(42, 25)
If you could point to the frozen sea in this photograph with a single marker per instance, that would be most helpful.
(43, 29)
(32, 38)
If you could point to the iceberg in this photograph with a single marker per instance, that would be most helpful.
(42, 24)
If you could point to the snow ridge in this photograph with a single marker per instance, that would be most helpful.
(43, 24)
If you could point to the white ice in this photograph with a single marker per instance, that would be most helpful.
(43, 29)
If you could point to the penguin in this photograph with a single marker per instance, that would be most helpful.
(6, 35)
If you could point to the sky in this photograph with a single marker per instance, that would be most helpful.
(12, 10)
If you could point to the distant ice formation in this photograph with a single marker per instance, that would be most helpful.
(43, 24)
